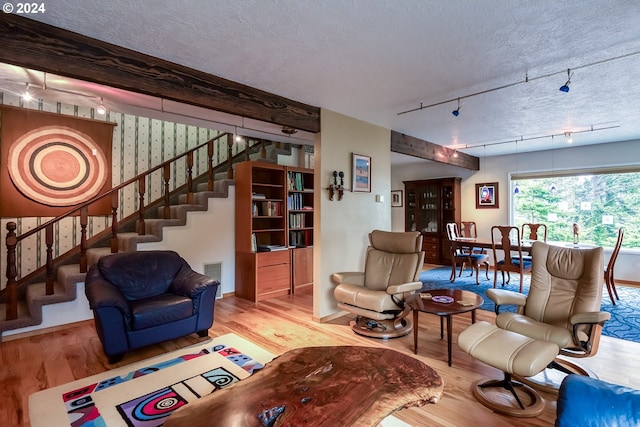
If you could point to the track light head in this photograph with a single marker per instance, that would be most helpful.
(568, 137)
(101, 109)
(456, 112)
(26, 96)
(565, 87)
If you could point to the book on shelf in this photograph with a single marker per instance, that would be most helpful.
(258, 196)
(268, 208)
(296, 182)
(271, 248)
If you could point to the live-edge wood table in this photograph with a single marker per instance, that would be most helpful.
(463, 302)
(318, 386)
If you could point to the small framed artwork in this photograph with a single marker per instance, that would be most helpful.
(396, 198)
(361, 173)
(487, 196)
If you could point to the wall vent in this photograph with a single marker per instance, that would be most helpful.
(214, 270)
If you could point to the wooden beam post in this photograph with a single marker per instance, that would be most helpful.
(32, 44)
(411, 146)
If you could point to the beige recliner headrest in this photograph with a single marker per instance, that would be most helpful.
(396, 242)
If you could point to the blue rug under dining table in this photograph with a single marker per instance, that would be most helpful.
(625, 315)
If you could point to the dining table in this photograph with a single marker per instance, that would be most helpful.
(526, 244)
(474, 242)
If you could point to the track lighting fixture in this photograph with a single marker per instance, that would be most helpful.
(456, 112)
(27, 96)
(553, 188)
(102, 110)
(568, 137)
(565, 87)
(516, 189)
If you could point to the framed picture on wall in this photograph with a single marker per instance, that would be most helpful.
(361, 173)
(396, 198)
(487, 195)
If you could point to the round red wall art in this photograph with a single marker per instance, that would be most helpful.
(57, 166)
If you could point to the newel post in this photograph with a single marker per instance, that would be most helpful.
(12, 272)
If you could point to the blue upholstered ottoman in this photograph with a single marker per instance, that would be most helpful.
(588, 402)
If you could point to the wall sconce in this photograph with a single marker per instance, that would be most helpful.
(334, 187)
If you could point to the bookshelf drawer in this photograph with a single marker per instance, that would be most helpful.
(274, 278)
(273, 258)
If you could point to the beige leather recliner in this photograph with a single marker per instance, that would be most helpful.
(376, 296)
(560, 315)
(562, 306)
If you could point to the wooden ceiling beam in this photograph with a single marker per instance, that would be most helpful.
(35, 45)
(411, 146)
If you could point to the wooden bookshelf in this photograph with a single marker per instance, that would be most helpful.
(273, 230)
(300, 209)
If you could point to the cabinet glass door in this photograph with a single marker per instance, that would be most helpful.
(448, 204)
(410, 210)
(428, 211)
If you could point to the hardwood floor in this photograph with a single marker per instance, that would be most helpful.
(37, 362)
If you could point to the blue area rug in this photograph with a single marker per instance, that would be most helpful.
(625, 315)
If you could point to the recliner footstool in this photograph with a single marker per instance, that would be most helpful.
(514, 354)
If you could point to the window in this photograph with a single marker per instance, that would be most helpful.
(599, 202)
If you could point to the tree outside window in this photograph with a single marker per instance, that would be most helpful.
(600, 204)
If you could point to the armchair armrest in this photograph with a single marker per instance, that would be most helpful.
(586, 331)
(102, 293)
(189, 283)
(404, 287)
(503, 297)
(351, 277)
(590, 318)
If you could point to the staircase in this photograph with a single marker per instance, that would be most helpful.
(56, 281)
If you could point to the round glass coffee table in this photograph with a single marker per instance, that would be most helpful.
(444, 303)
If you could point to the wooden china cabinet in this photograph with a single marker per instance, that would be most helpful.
(429, 205)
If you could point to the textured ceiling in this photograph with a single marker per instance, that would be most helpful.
(372, 59)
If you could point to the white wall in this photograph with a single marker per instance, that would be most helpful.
(499, 169)
(342, 227)
(207, 238)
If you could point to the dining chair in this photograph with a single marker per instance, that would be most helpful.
(531, 231)
(535, 232)
(461, 257)
(608, 270)
(469, 229)
(501, 240)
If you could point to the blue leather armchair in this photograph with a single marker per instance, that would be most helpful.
(588, 402)
(142, 298)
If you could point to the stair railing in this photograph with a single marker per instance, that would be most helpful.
(12, 240)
